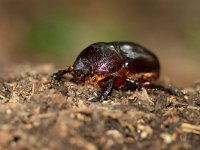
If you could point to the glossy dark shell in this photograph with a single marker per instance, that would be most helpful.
(101, 57)
(111, 57)
(137, 58)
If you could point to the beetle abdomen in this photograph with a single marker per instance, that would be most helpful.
(139, 59)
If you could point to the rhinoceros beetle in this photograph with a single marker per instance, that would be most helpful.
(118, 65)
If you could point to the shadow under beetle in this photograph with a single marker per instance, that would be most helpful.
(118, 65)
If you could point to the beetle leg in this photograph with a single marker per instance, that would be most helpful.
(133, 84)
(106, 90)
(152, 86)
(170, 90)
(58, 75)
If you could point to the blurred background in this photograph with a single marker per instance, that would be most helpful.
(50, 31)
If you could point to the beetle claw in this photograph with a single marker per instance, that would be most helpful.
(102, 97)
(55, 76)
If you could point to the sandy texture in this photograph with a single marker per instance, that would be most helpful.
(36, 116)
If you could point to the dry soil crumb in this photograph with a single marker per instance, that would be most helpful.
(35, 115)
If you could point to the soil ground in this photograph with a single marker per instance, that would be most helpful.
(36, 116)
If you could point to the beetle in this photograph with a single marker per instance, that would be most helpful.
(114, 65)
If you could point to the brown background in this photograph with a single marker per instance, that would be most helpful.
(56, 31)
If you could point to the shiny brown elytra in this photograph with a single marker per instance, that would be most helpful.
(115, 65)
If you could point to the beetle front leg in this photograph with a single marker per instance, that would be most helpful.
(106, 90)
(58, 75)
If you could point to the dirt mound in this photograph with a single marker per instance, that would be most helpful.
(36, 116)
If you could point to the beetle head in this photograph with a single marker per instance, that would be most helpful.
(81, 69)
